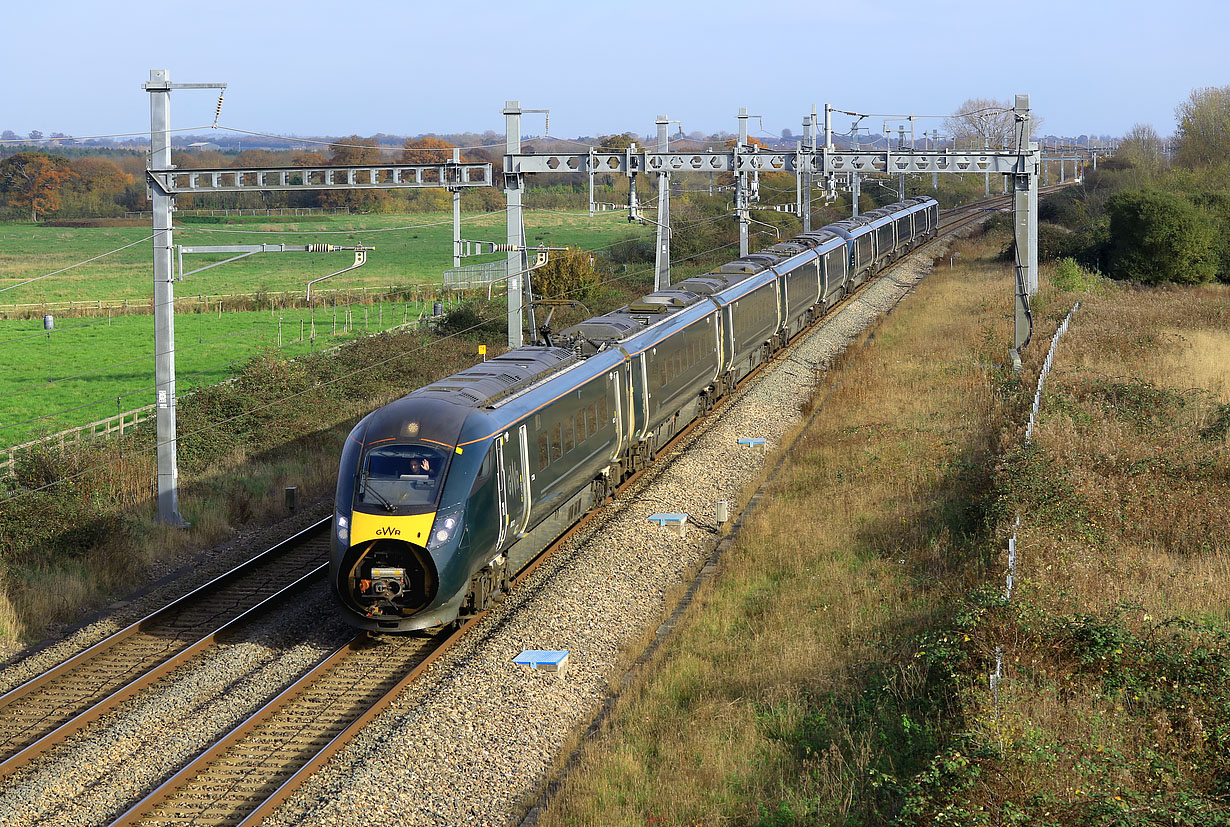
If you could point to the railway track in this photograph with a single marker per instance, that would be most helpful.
(40, 713)
(256, 766)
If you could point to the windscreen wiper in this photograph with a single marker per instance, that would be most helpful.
(365, 489)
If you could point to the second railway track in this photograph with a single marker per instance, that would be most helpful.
(43, 711)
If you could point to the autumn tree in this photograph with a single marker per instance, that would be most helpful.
(94, 186)
(1203, 131)
(1142, 148)
(568, 274)
(355, 151)
(427, 151)
(620, 141)
(32, 180)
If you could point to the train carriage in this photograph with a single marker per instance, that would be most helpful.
(445, 493)
(801, 284)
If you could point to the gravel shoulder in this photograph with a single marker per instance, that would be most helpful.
(476, 738)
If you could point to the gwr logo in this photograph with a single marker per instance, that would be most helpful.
(388, 531)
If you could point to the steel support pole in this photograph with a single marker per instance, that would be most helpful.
(516, 229)
(456, 216)
(809, 143)
(590, 167)
(1025, 231)
(741, 200)
(159, 88)
(901, 147)
(935, 176)
(855, 191)
(986, 176)
(662, 255)
(798, 179)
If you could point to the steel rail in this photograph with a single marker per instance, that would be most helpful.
(151, 676)
(26, 742)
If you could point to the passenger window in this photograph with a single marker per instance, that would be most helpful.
(557, 443)
(569, 444)
(593, 418)
(581, 426)
(603, 419)
(544, 451)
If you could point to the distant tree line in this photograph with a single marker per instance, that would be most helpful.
(1153, 213)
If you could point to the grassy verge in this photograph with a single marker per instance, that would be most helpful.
(1114, 707)
(824, 669)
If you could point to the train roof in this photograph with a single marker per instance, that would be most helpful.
(488, 382)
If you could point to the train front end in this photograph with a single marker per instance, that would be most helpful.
(398, 559)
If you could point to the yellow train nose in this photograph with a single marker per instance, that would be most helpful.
(414, 528)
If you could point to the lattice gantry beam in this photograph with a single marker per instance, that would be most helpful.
(387, 176)
(1003, 163)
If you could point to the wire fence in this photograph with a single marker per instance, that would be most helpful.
(998, 675)
(211, 302)
(474, 276)
(269, 211)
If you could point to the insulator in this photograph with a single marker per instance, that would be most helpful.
(321, 248)
(218, 111)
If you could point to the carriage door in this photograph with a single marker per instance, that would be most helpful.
(514, 499)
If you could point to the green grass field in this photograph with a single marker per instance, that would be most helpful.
(91, 368)
(410, 249)
(76, 376)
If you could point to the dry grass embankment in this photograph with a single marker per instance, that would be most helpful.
(1115, 708)
(820, 673)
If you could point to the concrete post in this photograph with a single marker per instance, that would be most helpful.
(662, 253)
(515, 227)
(159, 88)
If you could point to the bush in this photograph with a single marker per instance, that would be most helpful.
(473, 318)
(572, 274)
(1071, 277)
(1158, 237)
(1054, 241)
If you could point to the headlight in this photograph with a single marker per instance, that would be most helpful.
(341, 526)
(446, 525)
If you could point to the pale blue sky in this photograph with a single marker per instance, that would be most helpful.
(313, 68)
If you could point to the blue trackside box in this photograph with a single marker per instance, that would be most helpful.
(667, 519)
(547, 659)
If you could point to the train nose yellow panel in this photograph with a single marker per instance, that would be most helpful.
(412, 529)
